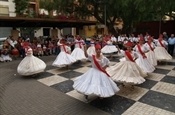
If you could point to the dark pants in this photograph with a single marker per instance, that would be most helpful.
(72, 47)
(22, 52)
(171, 49)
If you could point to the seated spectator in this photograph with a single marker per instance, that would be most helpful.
(39, 49)
(6, 54)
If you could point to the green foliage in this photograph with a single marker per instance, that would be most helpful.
(133, 11)
(47, 4)
(21, 6)
(108, 11)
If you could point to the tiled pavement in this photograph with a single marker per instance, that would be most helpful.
(26, 96)
(156, 96)
(51, 93)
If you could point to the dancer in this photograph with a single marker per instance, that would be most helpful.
(109, 48)
(151, 55)
(30, 65)
(91, 49)
(64, 58)
(96, 81)
(127, 71)
(142, 60)
(160, 50)
(78, 52)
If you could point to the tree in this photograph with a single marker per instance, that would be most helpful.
(130, 11)
(21, 6)
(48, 5)
(108, 12)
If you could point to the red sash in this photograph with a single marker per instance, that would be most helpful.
(98, 66)
(161, 44)
(64, 48)
(79, 43)
(150, 47)
(141, 52)
(128, 54)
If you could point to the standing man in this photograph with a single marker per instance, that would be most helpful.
(171, 43)
(165, 36)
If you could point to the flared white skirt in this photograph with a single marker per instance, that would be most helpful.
(63, 59)
(162, 54)
(144, 64)
(109, 49)
(151, 58)
(95, 82)
(31, 65)
(91, 50)
(127, 72)
(78, 54)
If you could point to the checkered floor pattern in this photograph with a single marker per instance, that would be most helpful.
(156, 96)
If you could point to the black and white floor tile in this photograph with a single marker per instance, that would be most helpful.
(156, 96)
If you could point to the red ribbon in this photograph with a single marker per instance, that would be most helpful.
(128, 54)
(161, 43)
(64, 48)
(98, 66)
(150, 47)
(141, 52)
(79, 43)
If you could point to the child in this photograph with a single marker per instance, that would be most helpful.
(30, 65)
(64, 58)
(6, 54)
(142, 60)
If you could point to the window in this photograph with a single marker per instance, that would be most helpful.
(4, 0)
(46, 31)
(4, 10)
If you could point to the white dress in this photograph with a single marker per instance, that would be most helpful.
(109, 48)
(64, 58)
(30, 65)
(127, 71)
(91, 49)
(160, 52)
(143, 63)
(96, 82)
(151, 55)
(1, 59)
(78, 52)
(6, 56)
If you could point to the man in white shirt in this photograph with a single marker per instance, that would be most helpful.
(113, 39)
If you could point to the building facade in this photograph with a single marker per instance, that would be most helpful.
(7, 8)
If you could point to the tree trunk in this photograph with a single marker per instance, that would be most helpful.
(50, 14)
(112, 30)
